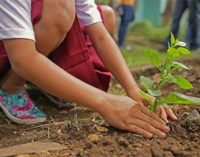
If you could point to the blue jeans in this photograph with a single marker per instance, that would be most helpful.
(179, 9)
(194, 21)
(126, 18)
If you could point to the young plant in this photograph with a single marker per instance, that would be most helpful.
(175, 49)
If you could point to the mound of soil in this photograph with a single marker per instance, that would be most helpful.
(84, 132)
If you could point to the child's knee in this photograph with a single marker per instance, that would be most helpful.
(109, 18)
(64, 15)
(57, 19)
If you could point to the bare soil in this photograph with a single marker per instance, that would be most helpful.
(85, 133)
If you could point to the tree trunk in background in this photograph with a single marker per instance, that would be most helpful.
(166, 16)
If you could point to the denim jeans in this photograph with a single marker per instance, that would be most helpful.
(194, 22)
(179, 9)
(126, 18)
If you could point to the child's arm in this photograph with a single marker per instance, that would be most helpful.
(113, 59)
(121, 112)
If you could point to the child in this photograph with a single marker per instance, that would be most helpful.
(126, 17)
(27, 48)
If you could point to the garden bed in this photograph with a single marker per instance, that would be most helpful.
(84, 133)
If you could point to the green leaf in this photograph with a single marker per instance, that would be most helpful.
(147, 83)
(144, 95)
(173, 52)
(180, 81)
(153, 92)
(176, 42)
(172, 39)
(177, 65)
(169, 46)
(178, 98)
(168, 63)
(183, 51)
(154, 57)
(149, 86)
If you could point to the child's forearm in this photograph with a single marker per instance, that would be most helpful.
(31, 65)
(112, 57)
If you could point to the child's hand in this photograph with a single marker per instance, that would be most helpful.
(162, 111)
(126, 114)
(135, 95)
(165, 111)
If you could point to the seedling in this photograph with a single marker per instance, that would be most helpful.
(75, 121)
(48, 131)
(175, 49)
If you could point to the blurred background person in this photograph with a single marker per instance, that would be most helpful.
(194, 23)
(179, 9)
(192, 35)
(127, 16)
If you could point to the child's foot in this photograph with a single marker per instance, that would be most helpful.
(20, 109)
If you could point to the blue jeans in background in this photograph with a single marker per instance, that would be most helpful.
(194, 23)
(179, 9)
(126, 18)
(193, 32)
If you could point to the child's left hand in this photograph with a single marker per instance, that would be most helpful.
(165, 111)
(162, 111)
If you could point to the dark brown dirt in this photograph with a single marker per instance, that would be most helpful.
(79, 129)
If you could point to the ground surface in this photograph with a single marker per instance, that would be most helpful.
(84, 133)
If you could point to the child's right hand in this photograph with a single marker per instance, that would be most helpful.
(126, 114)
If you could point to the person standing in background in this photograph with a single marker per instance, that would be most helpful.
(127, 16)
(179, 8)
(193, 22)
(194, 18)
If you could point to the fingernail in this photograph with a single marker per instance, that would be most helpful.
(162, 135)
(163, 122)
(166, 121)
(149, 135)
(166, 128)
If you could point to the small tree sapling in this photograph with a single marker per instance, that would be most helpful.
(175, 49)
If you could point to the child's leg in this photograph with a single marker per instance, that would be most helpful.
(109, 18)
(57, 19)
(50, 31)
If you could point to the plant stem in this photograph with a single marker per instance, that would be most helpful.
(155, 105)
(49, 131)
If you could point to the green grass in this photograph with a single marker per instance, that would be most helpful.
(105, 2)
(136, 55)
(146, 36)
(150, 32)
(3, 118)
